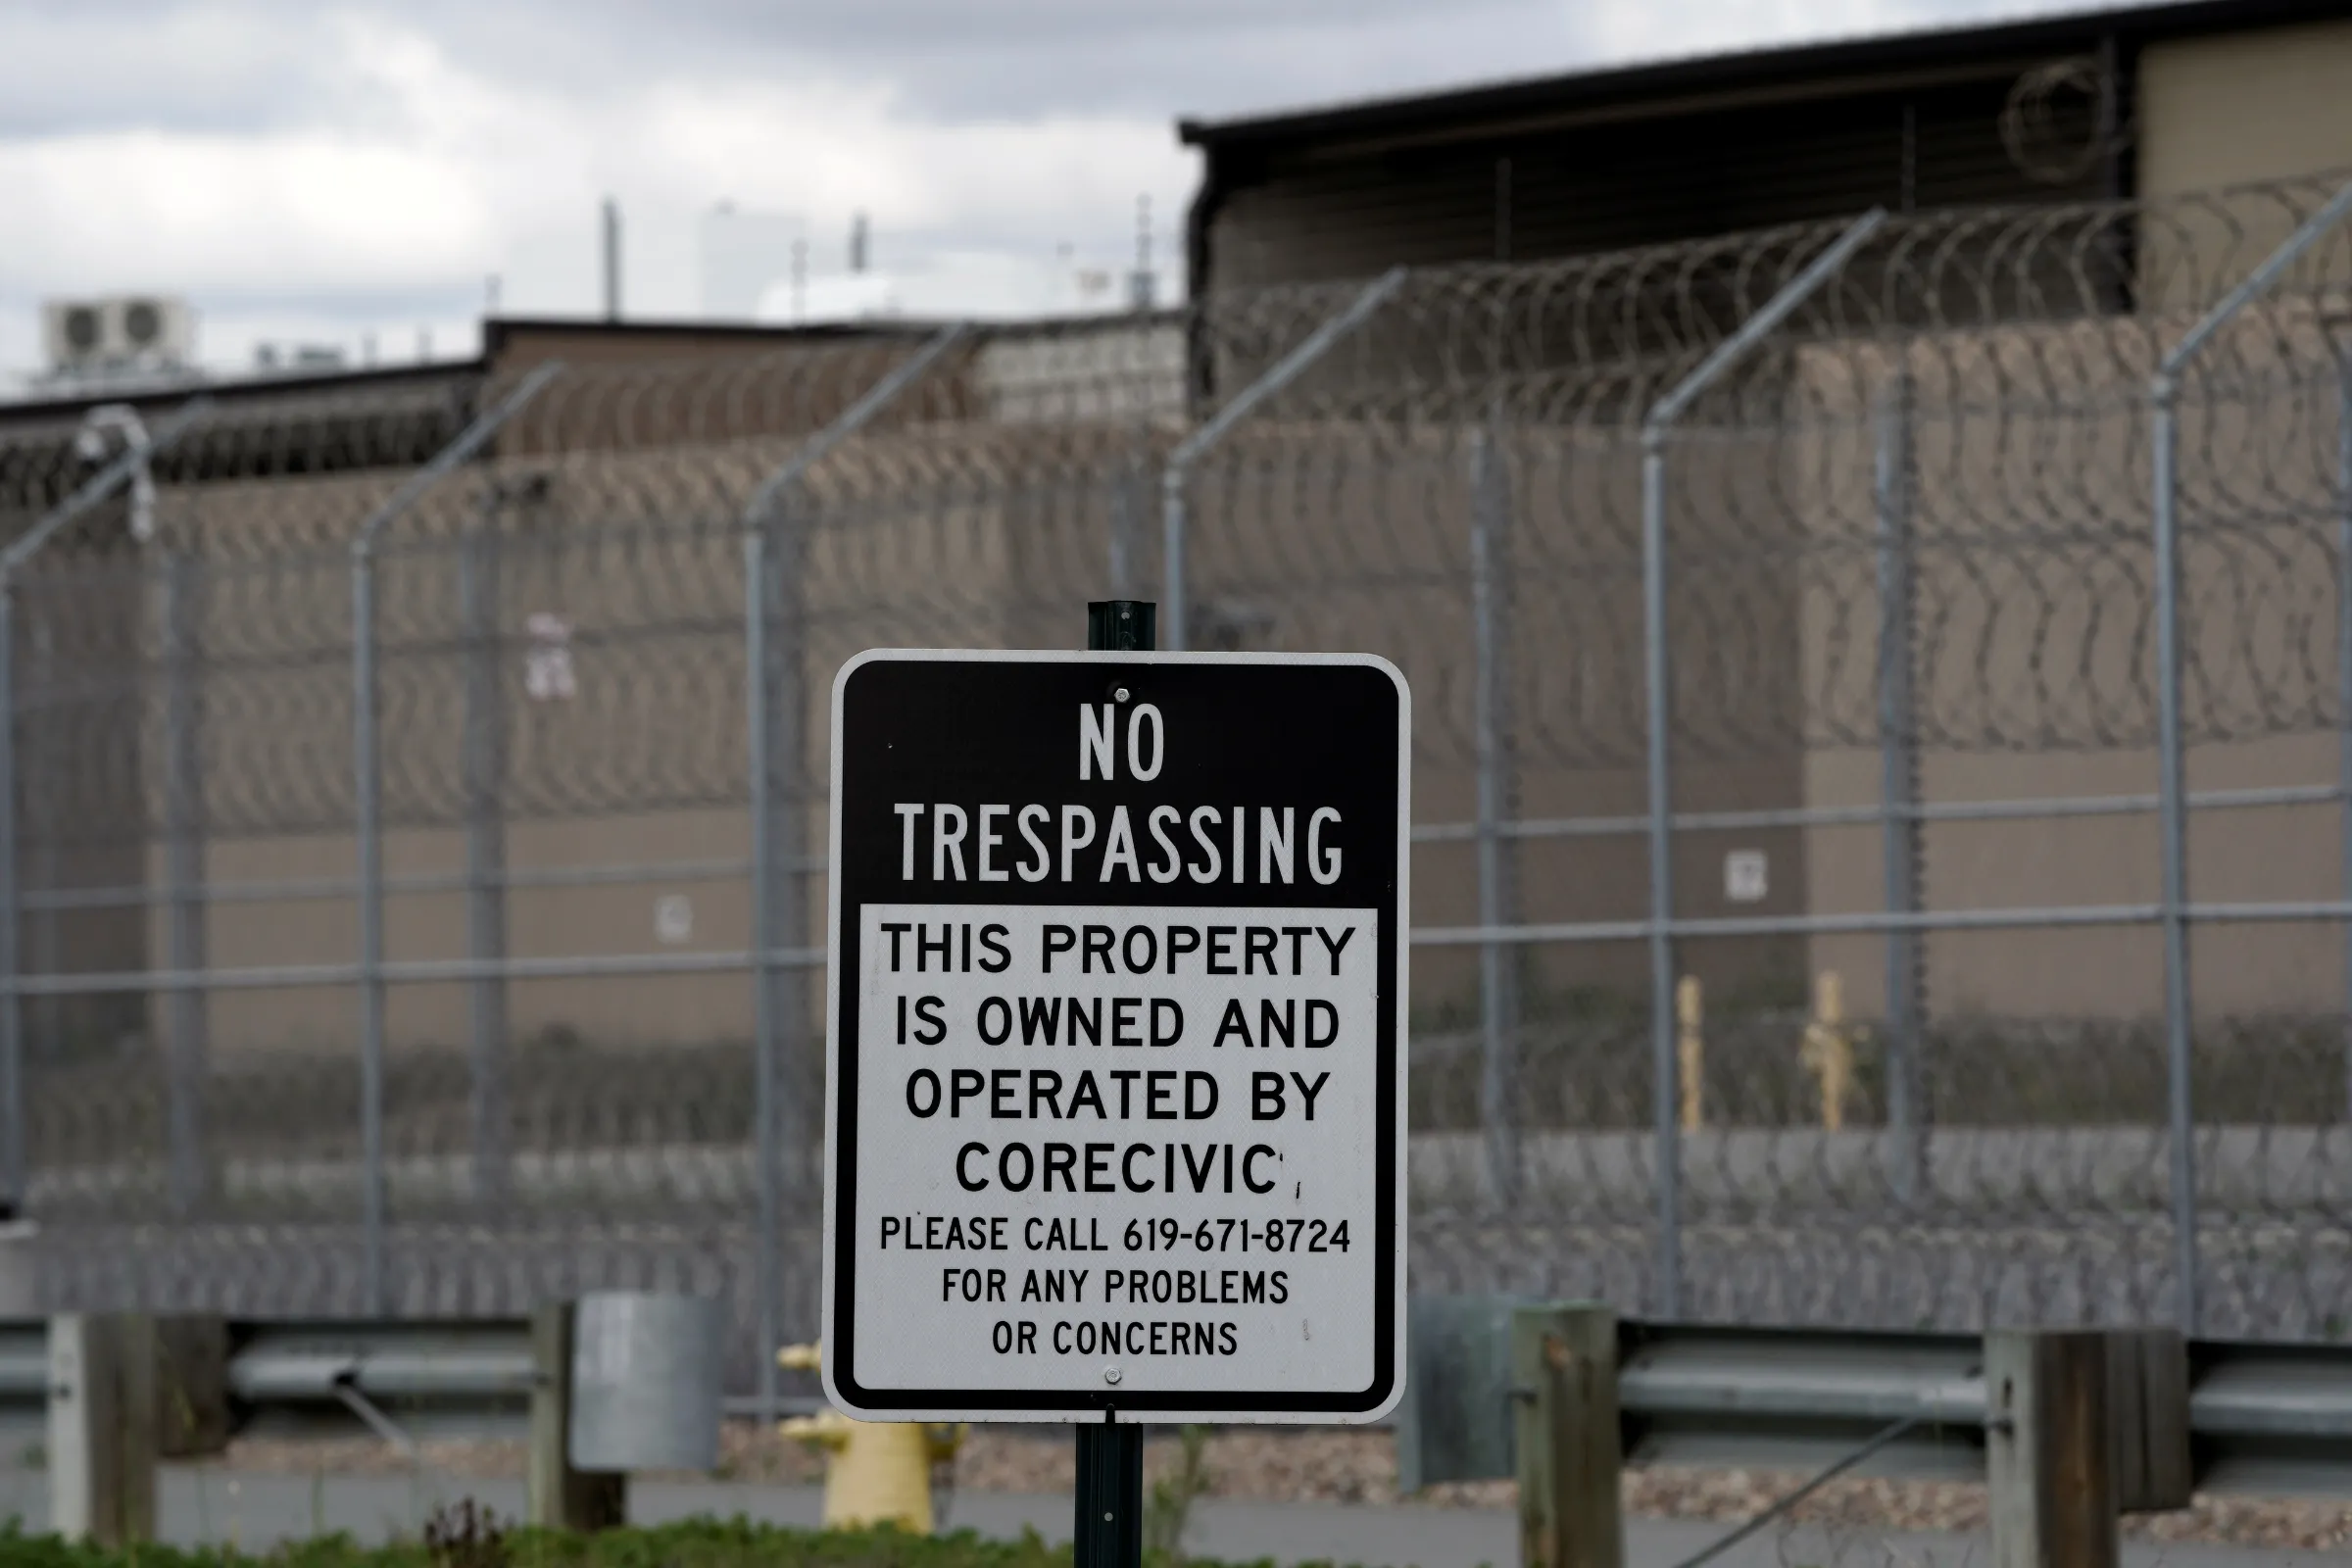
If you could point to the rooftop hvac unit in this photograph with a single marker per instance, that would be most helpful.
(122, 329)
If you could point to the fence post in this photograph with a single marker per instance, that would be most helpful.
(2172, 802)
(1498, 962)
(1570, 1452)
(46, 814)
(2343, 675)
(187, 1008)
(485, 766)
(1175, 633)
(1898, 788)
(124, 470)
(12, 1005)
(2047, 1449)
(368, 800)
(776, 697)
(1656, 428)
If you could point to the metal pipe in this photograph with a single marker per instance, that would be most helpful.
(1898, 768)
(1665, 1060)
(187, 1037)
(2164, 395)
(1873, 816)
(630, 964)
(293, 1363)
(766, 1306)
(425, 971)
(369, 810)
(776, 823)
(1432, 833)
(2343, 673)
(42, 944)
(343, 887)
(11, 1007)
(369, 806)
(1175, 604)
(1498, 962)
(1868, 922)
(1665, 1092)
(483, 764)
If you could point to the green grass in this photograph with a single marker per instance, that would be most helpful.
(456, 1539)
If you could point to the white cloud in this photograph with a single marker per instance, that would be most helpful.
(322, 172)
(235, 214)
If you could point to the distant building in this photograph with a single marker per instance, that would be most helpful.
(2148, 101)
(955, 285)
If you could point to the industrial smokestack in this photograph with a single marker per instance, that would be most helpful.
(612, 260)
(1141, 284)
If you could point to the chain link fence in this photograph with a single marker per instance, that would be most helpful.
(1880, 782)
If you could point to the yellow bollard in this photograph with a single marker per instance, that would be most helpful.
(1691, 1049)
(877, 1472)
(1828, 1052)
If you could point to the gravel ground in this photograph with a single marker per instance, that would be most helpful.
(1356, 1465)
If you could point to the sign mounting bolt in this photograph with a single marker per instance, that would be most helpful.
(1110, 1374)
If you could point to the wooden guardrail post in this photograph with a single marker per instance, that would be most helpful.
(561, 1498)
(102, 1428)
(2049, 1448)
(1570, 1450)
(191, 1387)
(2147, 1412)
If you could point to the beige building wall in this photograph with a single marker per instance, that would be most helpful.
(1307, 534)
(930, 537)
(2235, 110)
(1354, 536)
(2230, 109)
(2033, 551)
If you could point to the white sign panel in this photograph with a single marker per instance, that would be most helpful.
(1116, 1091)
(1745, 876)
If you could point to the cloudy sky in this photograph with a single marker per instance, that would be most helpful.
(330, 172)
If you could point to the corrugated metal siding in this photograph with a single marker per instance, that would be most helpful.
(1310, 213)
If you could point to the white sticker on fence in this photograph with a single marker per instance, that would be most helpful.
(1744, 876)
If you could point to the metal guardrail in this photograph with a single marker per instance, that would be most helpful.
(2238, 1418)
(24, 1381)
(402, 1382)
(2261, 1418)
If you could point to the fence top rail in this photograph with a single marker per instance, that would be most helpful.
(2256, 283)
(1766, 319)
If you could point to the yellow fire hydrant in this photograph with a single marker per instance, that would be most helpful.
(1827, 1051)
(876, 1472)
